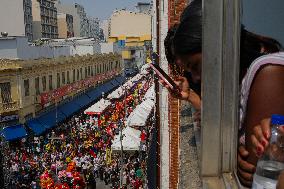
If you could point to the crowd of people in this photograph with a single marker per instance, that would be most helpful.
(78, 152)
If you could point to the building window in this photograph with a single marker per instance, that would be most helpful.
(63, 78)
(92, 71)
(74, 75)
(89, 71)
(27, 87)
(81, 73)
(50, 82)
(58, 80)
(98, 71)
(43, 83)
(78, 75)
(86, 72)
(68, 77)
(6, 92)
(37, 86)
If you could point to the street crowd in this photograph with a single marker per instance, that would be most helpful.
(78, 152)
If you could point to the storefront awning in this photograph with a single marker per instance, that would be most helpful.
(48, 120)
(82, 101)
(70, 108)
(36, 127)
(14, 132)
(120, 79)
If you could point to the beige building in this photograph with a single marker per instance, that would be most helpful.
(65, 25)
(29, 87)
(80, 21)
(44, 19)
(126, 24)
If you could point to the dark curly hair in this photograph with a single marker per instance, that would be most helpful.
(188, 38)
(168, 43)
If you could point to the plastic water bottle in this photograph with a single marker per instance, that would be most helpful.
(271, 164)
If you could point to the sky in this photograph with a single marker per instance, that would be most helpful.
(103, 8)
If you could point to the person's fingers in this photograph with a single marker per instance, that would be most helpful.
(243, 181)
(162, 82)
(243, 152)
(245, 166)
(178, 83)
(245, 175)
(180, 78)
(258, 133)
(281, 130)
(257, 146)
(265, 126)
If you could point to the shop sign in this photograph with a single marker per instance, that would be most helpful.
(8, 118)
(74, 87)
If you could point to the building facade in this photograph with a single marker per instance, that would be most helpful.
(44, 19)
(124, 24)
(16, 18)
(28, 88)
(104, 25)
(65, 25)
(80, 21)
(94, 28)
(145, 8)
(84, 22)
(28, 19)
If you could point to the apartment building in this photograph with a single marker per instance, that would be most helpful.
(44, 19)
(65, 25)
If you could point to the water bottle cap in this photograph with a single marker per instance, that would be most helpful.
(277, 119)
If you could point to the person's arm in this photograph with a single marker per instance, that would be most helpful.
(265, 98)
(280, 184)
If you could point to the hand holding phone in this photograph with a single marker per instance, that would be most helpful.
(172, 85)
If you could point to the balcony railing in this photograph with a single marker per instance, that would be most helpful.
(8, 107)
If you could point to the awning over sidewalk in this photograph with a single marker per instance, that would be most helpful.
(14, 132)
(51, 118)
(36, 127)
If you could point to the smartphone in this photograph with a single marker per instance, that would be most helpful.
(173, 86)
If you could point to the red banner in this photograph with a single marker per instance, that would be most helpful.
(74, 87)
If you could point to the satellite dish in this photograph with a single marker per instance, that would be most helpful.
(4, 34)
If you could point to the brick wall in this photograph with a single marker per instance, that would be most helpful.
(175, 9)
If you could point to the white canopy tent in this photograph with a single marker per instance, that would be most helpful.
(150, 94)
(144, 69)
(140, 114)
(119, 92)
(98, 107)
(130, 141)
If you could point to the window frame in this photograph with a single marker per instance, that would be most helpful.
(43, 82)
(220, 61)
(50, 82)
(58, 80)
(27, 89)
(37, 87)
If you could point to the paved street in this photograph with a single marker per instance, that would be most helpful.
(101, 185)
